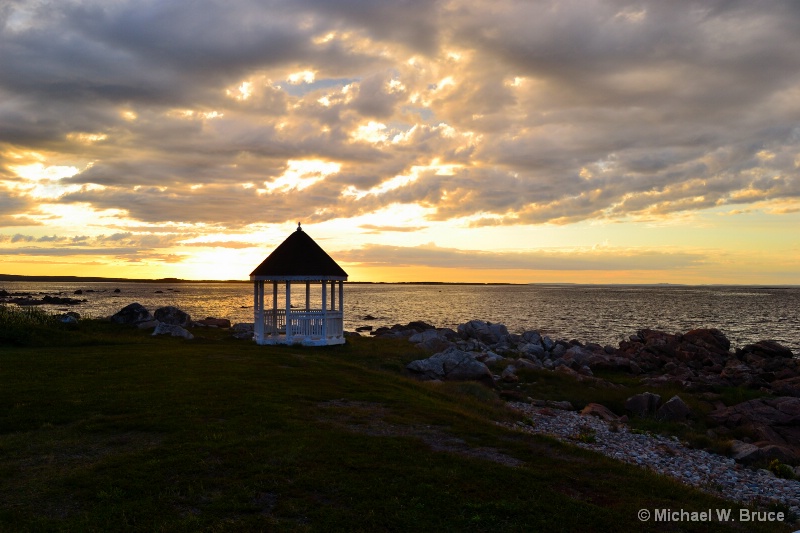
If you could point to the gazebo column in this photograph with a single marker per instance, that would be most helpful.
(333, 296)
(288, 312)
(341, 300)
(308, 294)
(258, 305)
(274, 331)
(324, 310)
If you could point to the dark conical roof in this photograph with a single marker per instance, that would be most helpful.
(298, 257)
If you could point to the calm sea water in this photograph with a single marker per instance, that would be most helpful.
(590, 313)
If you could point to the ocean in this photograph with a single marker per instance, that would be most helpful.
(605, 314)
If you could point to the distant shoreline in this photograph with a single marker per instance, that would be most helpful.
(97, 279)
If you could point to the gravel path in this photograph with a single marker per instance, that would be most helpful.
(710, 472)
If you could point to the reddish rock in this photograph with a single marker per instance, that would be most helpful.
(600, 411)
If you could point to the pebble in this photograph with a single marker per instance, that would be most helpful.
(709, 472)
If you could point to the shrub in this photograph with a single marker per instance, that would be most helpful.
(781, 470)
(26, 325)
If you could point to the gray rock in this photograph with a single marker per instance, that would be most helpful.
(558, 351)
(131, 314)
(509, 374)
(243, 330)
(643, 404)
(532, 337)
(548, 343)
(674, 410)
(173, 316)
(577, 355)
(172, 329)
(150, 324)
(68, 319)
(532, 350)
(451, 365)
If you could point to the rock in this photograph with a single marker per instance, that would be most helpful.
(548, 343)
(509, 374)
(577, 356)
(173, 316)
(68, 319)
(150, 324)
(78, 292)
(215, 322)
(172, 329)
(485, 332)
(117, 291)
(364, 328)
(451, 365)
(674, 410)
(131, 315)
(766, 349)
(600, 411)
(711, 339)
(643, 404)
(532, 337)
(762, 452)
(554, 404)
(775, 421)
(243, 330)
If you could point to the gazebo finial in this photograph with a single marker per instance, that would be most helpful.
(298, 227)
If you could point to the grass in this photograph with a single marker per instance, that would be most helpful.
(114, 430)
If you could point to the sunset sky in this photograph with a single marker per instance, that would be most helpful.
(588, 141)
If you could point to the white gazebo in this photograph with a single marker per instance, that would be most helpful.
(299, 261)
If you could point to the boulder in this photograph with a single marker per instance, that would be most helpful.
(509, 374)
(643, 404)
(674, 410)
(600, 411)
(775, 421)
(747, 453)
(766, 349)
(173, 316)
(211, 322)
(131, 315)
(243, 330)
(172, 329)
(485, 332)
(451, 365)
(711, 339)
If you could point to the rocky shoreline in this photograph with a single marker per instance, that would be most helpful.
(700, 362)
(712, 473)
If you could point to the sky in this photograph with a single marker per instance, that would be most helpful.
(528, 141)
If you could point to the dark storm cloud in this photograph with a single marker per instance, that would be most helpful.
(552, 111)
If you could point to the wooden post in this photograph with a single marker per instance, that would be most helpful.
(258, 327)
(324, 310)
(274, 332)
(288, 312)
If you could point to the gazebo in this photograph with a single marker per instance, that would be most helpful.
(300, 261)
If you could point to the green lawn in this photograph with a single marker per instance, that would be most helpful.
(119, 431)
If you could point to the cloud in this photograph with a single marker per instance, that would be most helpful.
(582, 259)
(506, 112)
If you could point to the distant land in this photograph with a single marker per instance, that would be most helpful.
(94, 279)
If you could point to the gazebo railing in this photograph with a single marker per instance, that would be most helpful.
(312, 324)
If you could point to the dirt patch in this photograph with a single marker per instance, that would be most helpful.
(368, 418)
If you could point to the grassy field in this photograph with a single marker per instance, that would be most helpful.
(109, 429)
